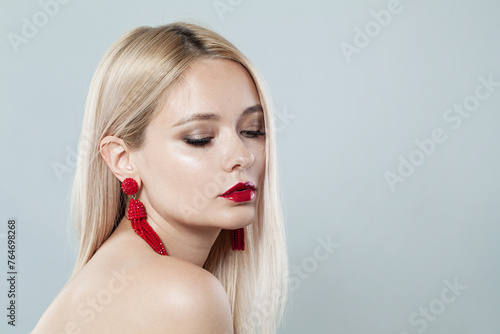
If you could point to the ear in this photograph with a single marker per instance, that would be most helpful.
(116, 154)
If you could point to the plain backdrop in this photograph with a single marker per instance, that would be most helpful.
(388, 146)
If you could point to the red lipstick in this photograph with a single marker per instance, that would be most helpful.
(240, 192)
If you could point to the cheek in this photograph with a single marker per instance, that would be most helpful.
(259, 164)
(181, 173)
(178, 182)
(180, 177)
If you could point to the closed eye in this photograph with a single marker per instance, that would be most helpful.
(204, 141)
(198, 142)
(253, 134)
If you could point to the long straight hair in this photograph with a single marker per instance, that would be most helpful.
(124, 96)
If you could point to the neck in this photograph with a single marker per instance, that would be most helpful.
(191, 244)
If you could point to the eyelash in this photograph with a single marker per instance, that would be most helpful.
(205, 141)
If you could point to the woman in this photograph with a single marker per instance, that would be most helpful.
(175, 197)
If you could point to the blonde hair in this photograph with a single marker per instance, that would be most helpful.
(124, 95)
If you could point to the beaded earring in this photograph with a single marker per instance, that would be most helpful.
(137, 216)
(238, 239)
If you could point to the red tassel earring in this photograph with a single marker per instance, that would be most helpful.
(238, 239)
(137, 216)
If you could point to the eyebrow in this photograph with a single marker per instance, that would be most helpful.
(215, 117)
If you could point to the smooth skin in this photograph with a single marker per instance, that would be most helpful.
(126, 287)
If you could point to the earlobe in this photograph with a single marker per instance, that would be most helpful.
(116, 154)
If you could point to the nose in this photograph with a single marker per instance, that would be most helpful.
(237, 155)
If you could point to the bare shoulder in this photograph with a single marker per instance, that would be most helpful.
(180, 297)
(159, 295)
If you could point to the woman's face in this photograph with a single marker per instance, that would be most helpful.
(187, 162)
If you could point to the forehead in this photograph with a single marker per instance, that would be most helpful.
(220, 86)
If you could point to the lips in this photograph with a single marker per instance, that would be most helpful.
(249, 185)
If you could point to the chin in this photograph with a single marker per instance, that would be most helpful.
(233, 220)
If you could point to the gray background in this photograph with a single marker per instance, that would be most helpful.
(342, 125)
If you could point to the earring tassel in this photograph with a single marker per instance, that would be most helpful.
(137, 216)
(238, 239)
